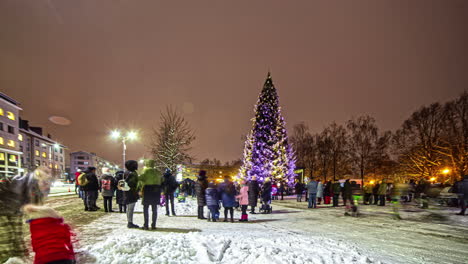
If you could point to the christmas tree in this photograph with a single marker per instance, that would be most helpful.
(267, 153)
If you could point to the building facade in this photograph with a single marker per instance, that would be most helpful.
(81, 160)
(10, 153)
(39, 150)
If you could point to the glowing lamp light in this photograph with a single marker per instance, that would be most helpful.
(115, 134)
(132, 135)
(372, 182)
(56, 146)
(446, 171)
(432, 179)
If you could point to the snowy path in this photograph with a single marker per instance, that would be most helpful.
(287, 236)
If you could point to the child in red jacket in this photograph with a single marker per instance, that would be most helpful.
(50, 236)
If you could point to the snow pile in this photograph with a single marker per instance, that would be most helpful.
(187, 208)
(236, 248)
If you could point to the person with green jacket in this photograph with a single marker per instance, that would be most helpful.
(336, 188)
(149, 186)
(383, 192)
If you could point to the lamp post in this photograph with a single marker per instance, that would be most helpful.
(131, 135)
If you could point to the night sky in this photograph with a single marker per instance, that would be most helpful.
(109, 64)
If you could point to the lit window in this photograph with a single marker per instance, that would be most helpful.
(11, 143)
(2, 156)
(37, 153)
(11, 116)
(20, 137)
(56, 166)
(1, 112)
(2, 141)
(50, 165)
(44, 155)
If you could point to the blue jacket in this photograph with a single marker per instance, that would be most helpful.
(229, 199)
(212, 197)
(312, 187)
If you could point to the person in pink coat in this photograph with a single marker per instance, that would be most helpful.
(244, 201)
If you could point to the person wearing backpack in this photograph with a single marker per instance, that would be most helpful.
(131, 196)
(149, 187)
(108, 186)
(170, 186)
(227, 191)
(119, 194)
(90, 184)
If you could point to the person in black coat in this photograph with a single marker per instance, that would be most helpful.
(131, 196)
(299, 188)
(347, 193)
(92, 189)
(169, 187)
(120, 199)
(375, 193)
(200, 188)
(254, 191)
(266, 191)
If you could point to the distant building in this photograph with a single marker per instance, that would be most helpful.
(40, 150)
(10, 153)
(81, 160)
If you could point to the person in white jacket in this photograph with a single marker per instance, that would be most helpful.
(319, 192)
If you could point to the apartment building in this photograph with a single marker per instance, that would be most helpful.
(81, 160)
(39, 150)
(10, 153)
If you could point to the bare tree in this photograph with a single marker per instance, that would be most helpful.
(324, 144)
(363, 143)
(454, 143)
(172, 140)
(305, 148)
(338, 143)
(417, 142)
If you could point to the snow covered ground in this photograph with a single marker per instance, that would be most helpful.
(292, 234)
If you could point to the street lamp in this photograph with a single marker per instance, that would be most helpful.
(131, 135)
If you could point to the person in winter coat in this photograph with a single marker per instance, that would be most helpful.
(336, 189)
(119, 194)
(375, 193)
(108, 186)
(382, 192)
(227, 192)
(15, 192)
(327, 192)
(319, 192)
(212, 201)
(281, 189)
(50, 236)
(254, 191)
(266, 192)
(347, 193)
(244, 201)
(312, 191)
(169, 187)
(462, 190)
(200, 189)
(299, 188)
(131, 195)
(91, 189)
(149, 187)
(367, 193)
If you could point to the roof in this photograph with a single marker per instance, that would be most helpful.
(9, 100)
(34, 134)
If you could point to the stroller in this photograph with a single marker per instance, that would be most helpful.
(266, 207)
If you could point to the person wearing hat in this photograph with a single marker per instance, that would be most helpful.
(200, 189)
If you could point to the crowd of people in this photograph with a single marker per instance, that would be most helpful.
(129, 187)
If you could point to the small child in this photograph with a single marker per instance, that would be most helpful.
(50, 236)
(244, 201)
(212, 201)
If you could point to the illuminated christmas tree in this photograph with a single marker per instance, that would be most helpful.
(267, 152)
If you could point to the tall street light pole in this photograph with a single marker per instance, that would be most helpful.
(131, 135)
